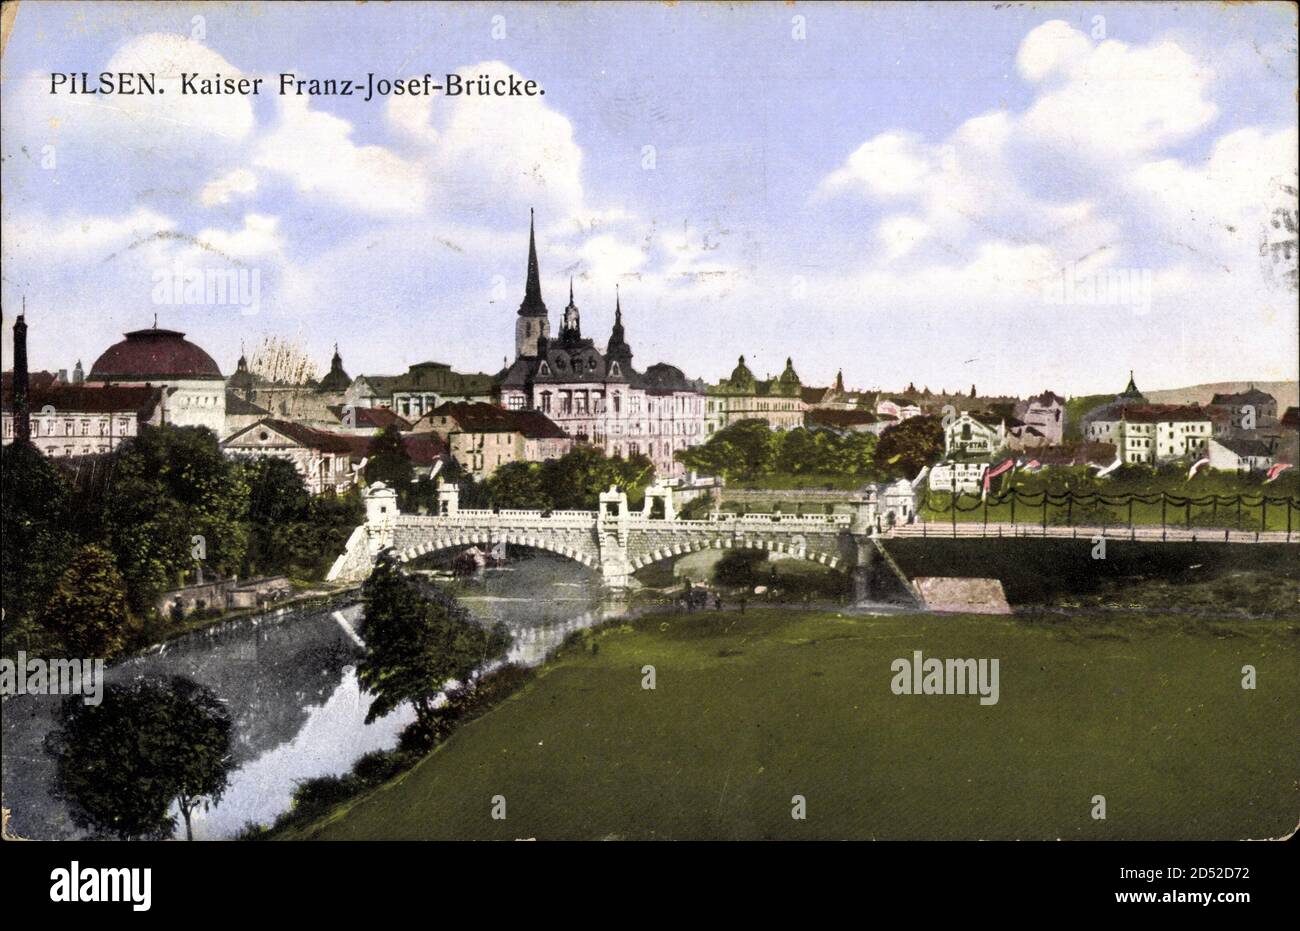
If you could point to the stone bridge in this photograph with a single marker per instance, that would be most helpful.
(614, 540)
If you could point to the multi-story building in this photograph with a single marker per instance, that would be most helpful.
(898, 408)
(425, 385)
(303, 401)
(778, 401)
(85, 420)
(1241, 455)
(973, 433)
(194, 389)
(1045, 413)
(324, 460)
(483, 437)
(598, 397)
(1153, 433)
(1247, 410)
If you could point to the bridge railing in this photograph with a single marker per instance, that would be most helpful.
(1000, 530)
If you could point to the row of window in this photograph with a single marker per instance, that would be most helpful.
(89, 427)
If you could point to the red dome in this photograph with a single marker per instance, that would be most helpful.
(153, 355)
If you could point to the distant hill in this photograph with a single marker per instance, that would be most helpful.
(1286, 392)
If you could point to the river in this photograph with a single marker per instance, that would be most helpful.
(290, 685)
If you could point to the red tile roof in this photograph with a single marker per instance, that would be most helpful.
(153, 354)
(90, 399)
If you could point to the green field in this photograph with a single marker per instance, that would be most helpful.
(751, 710)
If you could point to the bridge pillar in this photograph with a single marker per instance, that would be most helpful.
(381, 516)
(448, 499)
(612, 525)
(861, 556)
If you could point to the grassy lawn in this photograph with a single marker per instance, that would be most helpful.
(751, 710)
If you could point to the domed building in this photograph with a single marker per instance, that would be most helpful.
(194, 389)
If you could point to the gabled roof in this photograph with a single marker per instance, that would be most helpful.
(306, 437)
(812, 395)
(370, 417)
(237, 406)
(1246, 447)
(842, 419)
(478, 417)
(1251, 396)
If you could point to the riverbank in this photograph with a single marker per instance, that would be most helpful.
(751, 710)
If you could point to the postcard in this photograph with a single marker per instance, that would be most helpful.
(708, 422)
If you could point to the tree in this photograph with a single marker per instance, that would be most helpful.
(519, 485)
(87, 610)
(387, 460)
(417, 641)
(576, 480)
(906, 448)
(744, 450)
(174, 499)
(150, 743)
(34, 519)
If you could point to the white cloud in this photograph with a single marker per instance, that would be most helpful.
(239, 181)
(518, 148)
(315, 151)
(892, 164)
(1112, 99)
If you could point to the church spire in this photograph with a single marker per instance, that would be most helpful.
(570, 325)
(617, 348)
(533, 305)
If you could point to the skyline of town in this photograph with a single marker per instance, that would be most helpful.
(916, 238)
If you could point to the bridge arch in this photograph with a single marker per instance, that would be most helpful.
(811, 553)
(443, 541)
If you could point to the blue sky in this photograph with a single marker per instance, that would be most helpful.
(890, 189)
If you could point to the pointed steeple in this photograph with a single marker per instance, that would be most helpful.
(839, 381)
(617, 348)
(533, 305)
(570, 323)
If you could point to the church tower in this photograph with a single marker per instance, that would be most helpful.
(533, 325)
(617, 349)
(570, 325)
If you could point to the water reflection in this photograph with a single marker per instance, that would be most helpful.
(290, 685)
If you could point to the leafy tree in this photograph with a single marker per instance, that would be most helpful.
(169, 486)
(150, 743)
(87, 611)
(388, 460)
(417, 640)
(906, 448)
(576, 480)
(34, 518)
(744, 450)
(276, 491)
(519, 485)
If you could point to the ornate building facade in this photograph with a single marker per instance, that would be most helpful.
(779, 401)
(598, 397)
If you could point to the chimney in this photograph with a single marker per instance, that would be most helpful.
(22, 411)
